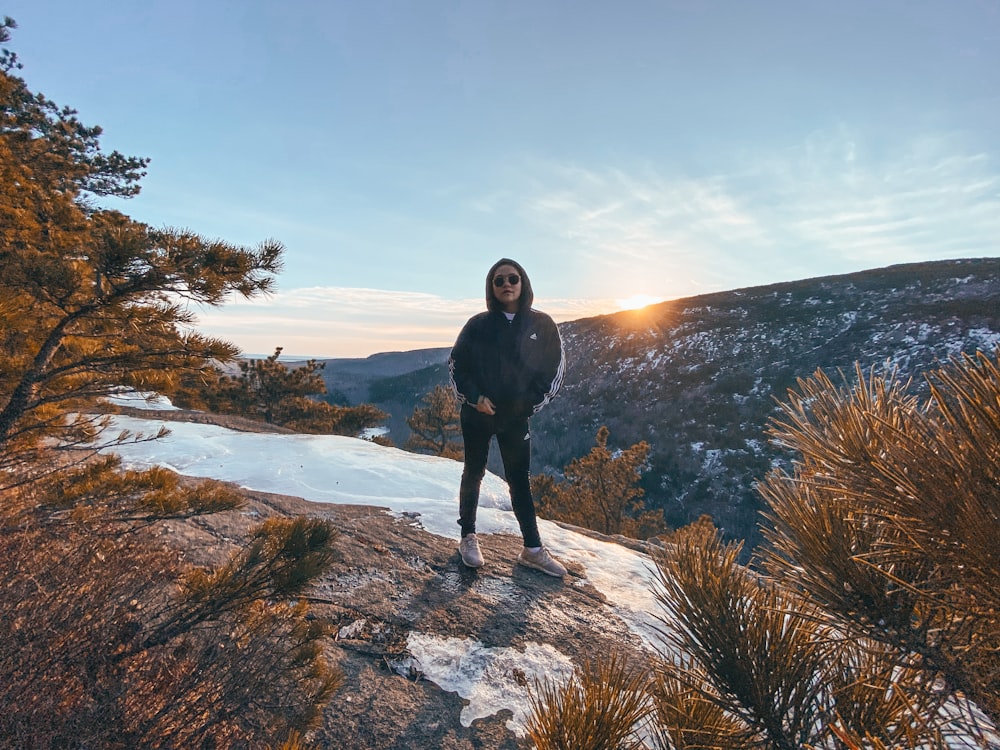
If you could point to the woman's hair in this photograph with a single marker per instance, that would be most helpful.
(527, 295)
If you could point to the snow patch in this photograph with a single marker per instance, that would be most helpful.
(141, 400)
(490, 679)
(422, 489)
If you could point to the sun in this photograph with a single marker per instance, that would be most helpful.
(636, 301)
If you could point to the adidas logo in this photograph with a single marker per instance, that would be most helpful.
(533, 337)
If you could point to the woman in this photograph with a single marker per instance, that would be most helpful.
(506, 365)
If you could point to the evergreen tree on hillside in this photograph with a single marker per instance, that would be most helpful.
(435, 426)
(267, 383)
(600, 492)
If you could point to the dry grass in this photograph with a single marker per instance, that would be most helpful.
(108, 639)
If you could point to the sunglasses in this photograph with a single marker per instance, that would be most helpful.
(512, 278)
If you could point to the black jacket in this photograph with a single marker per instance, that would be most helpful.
(518, 364)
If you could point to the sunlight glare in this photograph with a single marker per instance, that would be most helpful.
(637, 301)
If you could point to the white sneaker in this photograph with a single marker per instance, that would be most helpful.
(468, 548)
(540, 559)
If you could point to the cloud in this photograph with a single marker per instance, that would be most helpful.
(928, 202)
(641, 232)
(837, 202)
(352, 322)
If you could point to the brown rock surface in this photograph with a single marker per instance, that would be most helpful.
(392, 577)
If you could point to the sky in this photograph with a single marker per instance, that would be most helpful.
(335, 469)
(622, 152)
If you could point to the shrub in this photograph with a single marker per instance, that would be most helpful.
(596, 709)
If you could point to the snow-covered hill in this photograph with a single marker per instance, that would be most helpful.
(697, 378)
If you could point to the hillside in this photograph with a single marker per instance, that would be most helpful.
(697, 378)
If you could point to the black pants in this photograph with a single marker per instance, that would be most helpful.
(515, 450)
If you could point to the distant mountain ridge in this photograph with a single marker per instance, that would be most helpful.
(350, 379)
(697, 378)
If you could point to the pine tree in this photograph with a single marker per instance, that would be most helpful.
(107, 637)
(270, 391)
(91, 300)
(268, 383)
(435, 426)
(600, 492)
(871, 619)
(891, 517)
